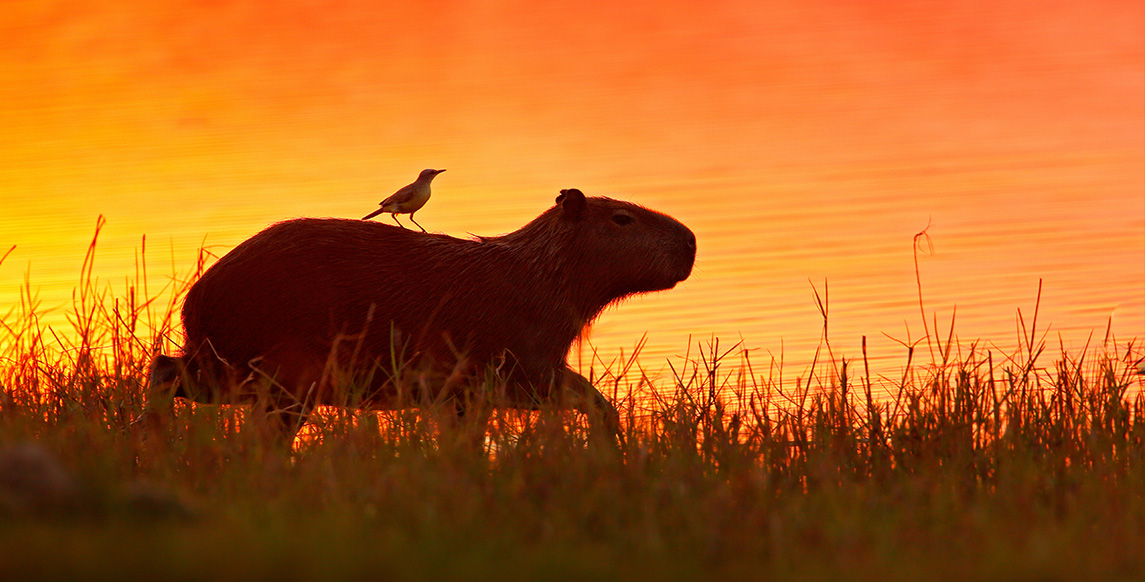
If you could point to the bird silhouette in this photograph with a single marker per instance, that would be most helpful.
(408, 200)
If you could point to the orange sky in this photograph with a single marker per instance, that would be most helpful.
(188, 121)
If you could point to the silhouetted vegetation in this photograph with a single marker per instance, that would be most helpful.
(976, 465)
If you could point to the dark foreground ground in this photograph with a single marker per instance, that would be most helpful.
(972, 470)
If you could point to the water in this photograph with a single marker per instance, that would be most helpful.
(805, 145)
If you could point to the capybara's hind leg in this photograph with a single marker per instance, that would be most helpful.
(161, 385)
(468, 424)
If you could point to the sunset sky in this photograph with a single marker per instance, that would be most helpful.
(800, 140)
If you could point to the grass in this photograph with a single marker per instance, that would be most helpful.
(975, 465)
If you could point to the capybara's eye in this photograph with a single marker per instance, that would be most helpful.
(623, 219)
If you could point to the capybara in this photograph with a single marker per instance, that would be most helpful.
(342, 312)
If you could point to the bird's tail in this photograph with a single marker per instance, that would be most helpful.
(373, 214)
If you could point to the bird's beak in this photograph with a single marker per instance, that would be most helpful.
(439, 171)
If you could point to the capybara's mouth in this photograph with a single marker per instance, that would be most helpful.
(684, 272)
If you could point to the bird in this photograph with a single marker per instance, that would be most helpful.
(409, 199)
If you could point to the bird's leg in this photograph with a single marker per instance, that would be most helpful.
(415, 222)
(395, 217)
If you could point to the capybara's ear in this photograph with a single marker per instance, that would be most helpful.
(572, 200)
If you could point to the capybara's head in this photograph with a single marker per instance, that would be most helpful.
(613, 247)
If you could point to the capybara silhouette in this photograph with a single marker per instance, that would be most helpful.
(327, 311)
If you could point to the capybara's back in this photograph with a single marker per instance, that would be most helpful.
(307, 306)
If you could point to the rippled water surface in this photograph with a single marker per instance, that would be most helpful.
(805, 145)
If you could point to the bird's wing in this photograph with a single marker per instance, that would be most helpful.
(400, 196)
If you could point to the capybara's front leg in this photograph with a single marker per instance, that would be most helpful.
(602, 415)
(164, 375)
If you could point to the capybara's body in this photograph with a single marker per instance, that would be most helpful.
(309, 309)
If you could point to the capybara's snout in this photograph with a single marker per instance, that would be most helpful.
(687, 253)
(677, 249)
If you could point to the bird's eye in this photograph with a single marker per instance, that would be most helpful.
(623, 219)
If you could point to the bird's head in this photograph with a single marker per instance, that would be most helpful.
(428, 174)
